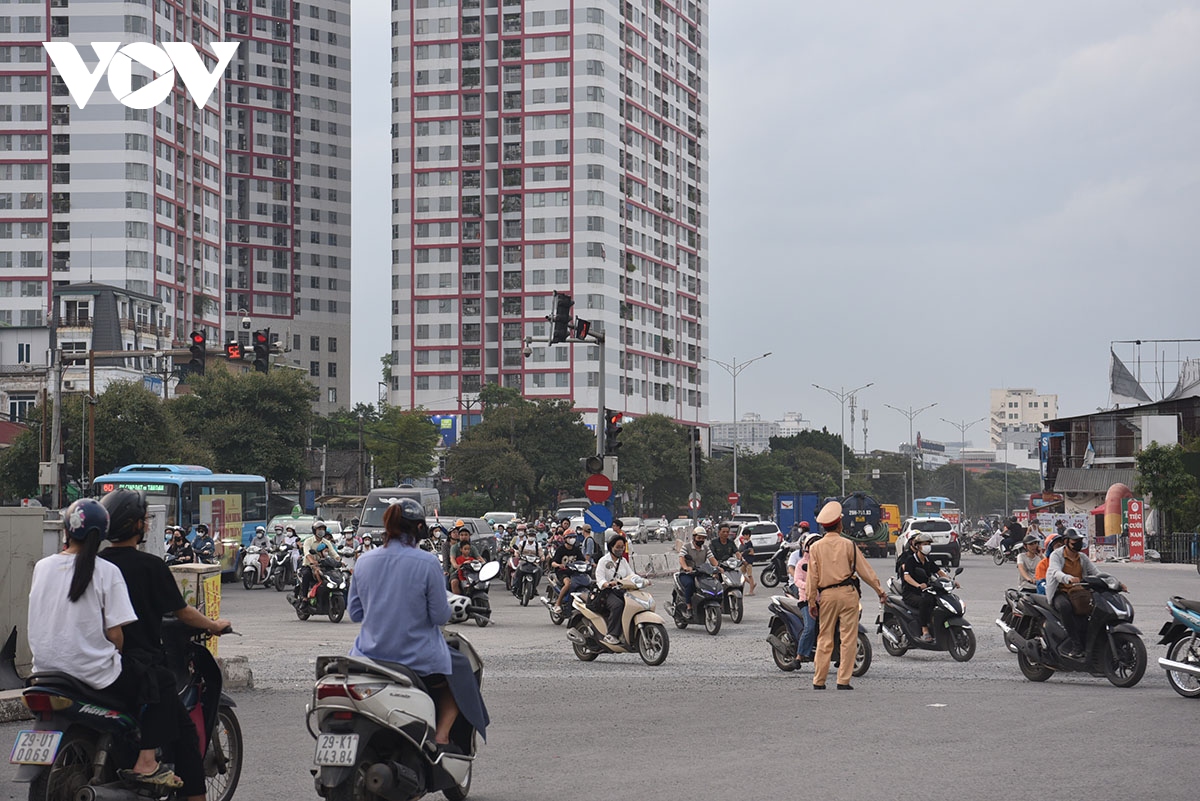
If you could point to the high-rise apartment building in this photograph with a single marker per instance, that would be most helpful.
(1014, 410)
(550, 145)
(287, 184)
(240, 204)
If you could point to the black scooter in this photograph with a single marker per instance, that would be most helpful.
(776, 569)
(706, 600)
(786, 626)
(330, 598)
(82, 736)
(1114, 647)
(900, 624)
(527, 578)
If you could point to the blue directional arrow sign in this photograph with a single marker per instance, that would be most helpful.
(598, 517)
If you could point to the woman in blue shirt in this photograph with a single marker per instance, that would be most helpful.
(399, 596)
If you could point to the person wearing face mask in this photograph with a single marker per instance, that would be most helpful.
(1068, 566)
(691, 556)
(612, 568)
(180, 548)
(566, 553)
(916, 570)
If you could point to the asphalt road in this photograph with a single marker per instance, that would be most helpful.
(719, 720)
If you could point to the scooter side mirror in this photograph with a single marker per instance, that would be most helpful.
(489, 571)
(958, 570)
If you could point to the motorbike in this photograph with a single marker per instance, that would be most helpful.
(374, 729)
(82, 737)
(1114, 647)
(1181, 635)
(581, 581)
(642, 629)
(255, 566)
(477, 577)
(776, 569)
(330, 598)
(1001, 555)
(732, 581)
(529, 576)
(281, 571)
(787, 624)
(706, 601)
(900, 624)
(662, 534)
(508, 566)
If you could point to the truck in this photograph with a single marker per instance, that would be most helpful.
(792, 507)
(890, 518)
(862, 521)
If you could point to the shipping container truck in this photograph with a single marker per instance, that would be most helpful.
(862, 521)
(792, 507)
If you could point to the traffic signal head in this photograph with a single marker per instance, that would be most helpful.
(612, 430)
(199, 344)
(262, 349)
(561, 319)
(233, 351)
(581, 328)
(592, 464)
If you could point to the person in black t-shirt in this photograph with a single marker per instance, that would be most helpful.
(153, 592)
(917, 571)
(566, 553)
(180, 548)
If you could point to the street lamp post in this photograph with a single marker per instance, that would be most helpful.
(842, 397)
(962, 427)
(910, 413)
(734, 370)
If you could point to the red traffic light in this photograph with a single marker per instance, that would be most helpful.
(614, 419)
(260, 338)
(198, 338)
(233, 350)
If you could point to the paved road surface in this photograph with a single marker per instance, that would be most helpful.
(718, 720)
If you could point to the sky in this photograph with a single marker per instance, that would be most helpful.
(939, 198)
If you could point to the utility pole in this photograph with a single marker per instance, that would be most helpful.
(842, 397)
(910, 413)
(864, 419)
(962, 427)
(853, 407)
(734, 371)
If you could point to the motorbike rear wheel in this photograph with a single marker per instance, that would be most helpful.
(653, 644)
(1125, 661)
(1032, 670)
(582, 652)
(898, 633)
(460, 792)
(227, 739)
(712, 618)
(71, 769)
(768, 578)
(736, 610)
(785, 661)
(862, 656)
(961, 643)
(302, 611)
(337, 608)
(1186, 651)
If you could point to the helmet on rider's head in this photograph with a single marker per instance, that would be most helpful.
(414, 511)
(85, 517)
(320, 526)
(700, 531)
(201, 529)
(804, 525)
(1072, 534)
(811, 540)
(921, 538)
(260, 530)
(292, 529)
(125, 508)
(1031, 539)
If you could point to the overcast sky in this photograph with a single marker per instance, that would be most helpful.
(939, 198)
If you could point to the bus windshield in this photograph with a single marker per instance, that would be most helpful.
(157, 493)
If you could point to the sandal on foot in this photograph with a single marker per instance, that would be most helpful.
(161, 777)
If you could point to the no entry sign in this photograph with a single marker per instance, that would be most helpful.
(597, 488)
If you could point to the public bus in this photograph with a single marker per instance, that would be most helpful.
(231, 504)
(931, 506)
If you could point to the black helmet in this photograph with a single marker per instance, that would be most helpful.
(1031, 539)
(411, 510)
(1072, 534)
(83, 518)
(201, 529)
(125, 507)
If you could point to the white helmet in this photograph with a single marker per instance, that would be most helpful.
(699, 531)
(609, 532)
(460, 607)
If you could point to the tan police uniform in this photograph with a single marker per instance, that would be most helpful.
(832, 562)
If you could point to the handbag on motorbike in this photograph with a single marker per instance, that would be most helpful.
(1080, 598)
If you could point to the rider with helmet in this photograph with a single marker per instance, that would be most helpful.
(317, 547)
(179, 547)
(399, 596)
(204, 546)
(565, 554)
(154, 594)
(692, 555)
(260, 539)
(917, 571)
(1068, 567)
(1014, 533)
(611, 569)
(1027, 564)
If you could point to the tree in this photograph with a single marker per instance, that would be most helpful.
(655, 465)
(134, 426)
(402, 443)
(251, 422)
(493, 467)
(1169, 487)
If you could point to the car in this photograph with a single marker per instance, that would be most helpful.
(945, 537)
(744, 517)
(765, 538)
(483, 538)
(503, 518)
(681, 527)
(303, 525)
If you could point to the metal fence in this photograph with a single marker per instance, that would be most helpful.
(1181, 547)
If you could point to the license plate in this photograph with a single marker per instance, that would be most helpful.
(336, 750)
(35, 747)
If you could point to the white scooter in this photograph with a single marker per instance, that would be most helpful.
(374, 731)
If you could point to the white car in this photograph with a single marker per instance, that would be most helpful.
(945, 538)
(765, 538)
(633, 529)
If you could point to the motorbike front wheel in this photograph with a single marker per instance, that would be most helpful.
(526, 591)
(1186, 651)
(337, 607)
(223, 761)
(653, 644)
(735, 608)
(768, 577)
(962, 643)
(248, 579)
(998, 556)
(280, 581)
(1125, 660)
(712, 618)
(482, 611)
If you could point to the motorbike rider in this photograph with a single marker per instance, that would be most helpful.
(260, 538)
(180, 548)
(1014, 533)
(464, 556)
(451, 545)
(1039, 575)
(723, 547)
(612, 568)
(691, 555)
(399, 596)
(807, 643)
(566, 553)
(316, 548)
(204, 546)
(1027, 564)
(154, 594)
(1068, 566)
(917, 571)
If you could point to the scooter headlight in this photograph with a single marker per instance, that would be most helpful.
(948, 606)
(645, 603)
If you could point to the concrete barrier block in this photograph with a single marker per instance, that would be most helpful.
(236, 672)
(11, 708)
